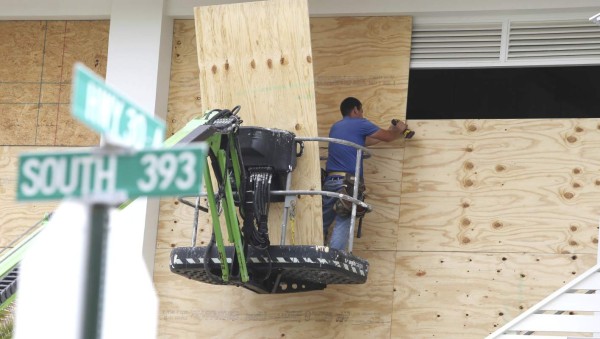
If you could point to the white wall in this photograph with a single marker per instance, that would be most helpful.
(54, 9)
(139, 63)
(93, 9)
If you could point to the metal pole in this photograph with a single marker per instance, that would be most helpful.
(96, 262)
(286, 208)
(355, 196)
(195, 223)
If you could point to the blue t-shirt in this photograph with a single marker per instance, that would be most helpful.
(342, 158)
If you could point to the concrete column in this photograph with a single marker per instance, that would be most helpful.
(139, 61)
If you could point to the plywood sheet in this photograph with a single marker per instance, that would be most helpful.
(18, 124)
(502, 186)
(364, 57)
(86, 42)
(354, 311)
(176, 219)
(175, 226)
(35, 79)
(21, 51)
(258, 55)
(19, 93)
(382, 178)
(470, 295)
(382, 102)
(35, 76)
(54, 53)
(71, 132)
(184, 95)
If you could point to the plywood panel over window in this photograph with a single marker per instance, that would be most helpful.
(364, 57)
(190, 308)
(184, 95)
(35, 77)
(502, 186)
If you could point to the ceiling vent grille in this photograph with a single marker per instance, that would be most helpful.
(545, 40)
(509, 43)
(455, 43)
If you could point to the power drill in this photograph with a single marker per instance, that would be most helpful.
(408, 133)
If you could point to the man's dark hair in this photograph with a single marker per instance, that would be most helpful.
(348, 105)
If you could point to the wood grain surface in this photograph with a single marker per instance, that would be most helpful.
(470, 295)
(474, 221)
(502, 186)
(258, 55)
(35, 79)
(364, 57)
(184, 95)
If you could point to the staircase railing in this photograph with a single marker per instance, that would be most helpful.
(572, 312)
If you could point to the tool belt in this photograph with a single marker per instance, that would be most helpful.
(343, 207)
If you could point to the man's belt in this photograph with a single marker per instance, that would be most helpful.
(341, 174)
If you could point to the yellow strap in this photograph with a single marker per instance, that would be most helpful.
(293, 221)
(336, 173)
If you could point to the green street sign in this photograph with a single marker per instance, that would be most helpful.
(106, 111)
(111, 176)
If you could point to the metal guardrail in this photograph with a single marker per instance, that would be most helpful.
(290, 195)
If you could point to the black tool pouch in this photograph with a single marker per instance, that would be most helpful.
(323, 177)
(343, 207)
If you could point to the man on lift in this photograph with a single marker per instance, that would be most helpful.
(353, 127)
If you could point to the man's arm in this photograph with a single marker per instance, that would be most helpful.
(390, 134)
(371, 141)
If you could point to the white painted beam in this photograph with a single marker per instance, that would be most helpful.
(139, 61)
(101, 9)
(182, 8)
(54, 9)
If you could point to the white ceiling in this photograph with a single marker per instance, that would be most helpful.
(100, 9)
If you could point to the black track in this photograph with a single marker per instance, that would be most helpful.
(277, 269)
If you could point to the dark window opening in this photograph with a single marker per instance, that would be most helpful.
(504, 93)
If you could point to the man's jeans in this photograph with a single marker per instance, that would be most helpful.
(341, 230)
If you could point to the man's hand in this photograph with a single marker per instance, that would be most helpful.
(398, 124)
(403, 127)
(395, 131)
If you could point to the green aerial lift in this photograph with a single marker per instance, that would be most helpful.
(253, 167)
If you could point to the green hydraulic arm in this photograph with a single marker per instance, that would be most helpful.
(12, 254)
(219, 128)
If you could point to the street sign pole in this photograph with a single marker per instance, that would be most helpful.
(92, 100)
(96, 261)
(131, 164)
